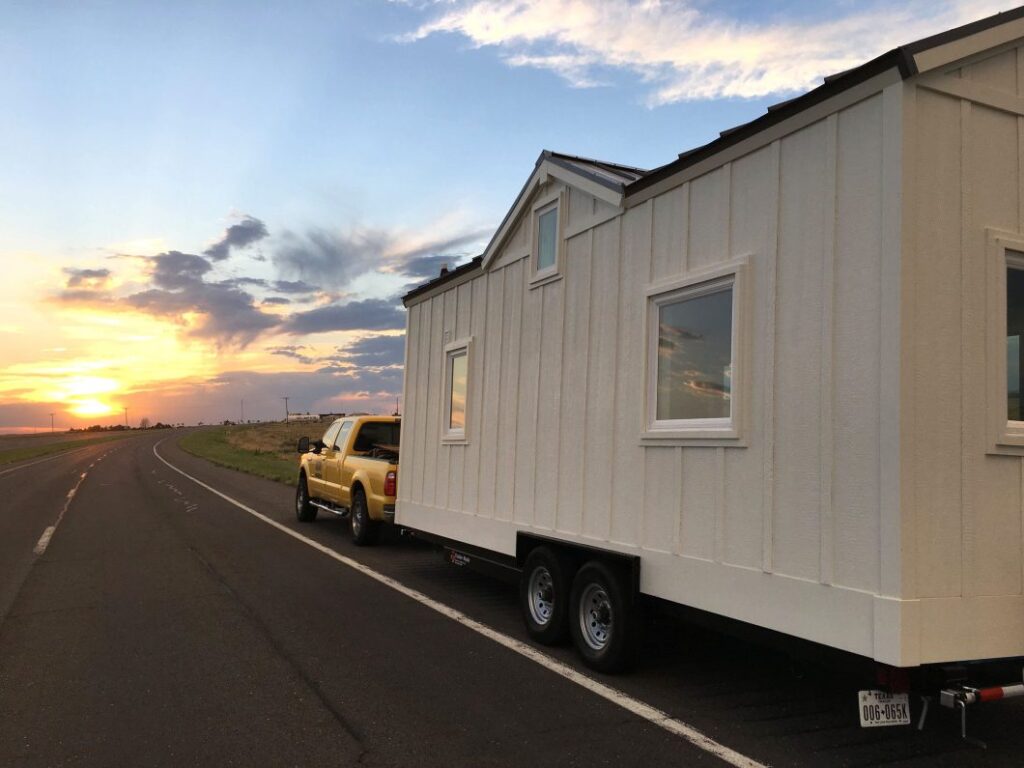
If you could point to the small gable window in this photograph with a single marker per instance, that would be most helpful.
(548, 220)
(547, 238)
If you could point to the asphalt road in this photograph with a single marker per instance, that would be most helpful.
(164, 625)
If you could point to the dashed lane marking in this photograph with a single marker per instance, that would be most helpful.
(44, 540)
(625, 701)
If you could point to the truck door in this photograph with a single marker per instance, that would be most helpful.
(334, 458)
(316, 464)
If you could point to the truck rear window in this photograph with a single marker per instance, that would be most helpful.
(377, 433)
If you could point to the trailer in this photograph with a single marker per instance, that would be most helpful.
(777, 379)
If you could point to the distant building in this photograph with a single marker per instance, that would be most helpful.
(303, 417)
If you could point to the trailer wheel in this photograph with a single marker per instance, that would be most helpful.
(603, 623)
(304, 511)
(544, 596)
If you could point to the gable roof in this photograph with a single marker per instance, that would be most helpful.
(613, 182)
(447, 276)
(605, 181)
(908, 60)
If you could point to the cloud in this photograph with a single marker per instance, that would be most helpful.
(218, 311)
(378, 350)
(429, 267)
(246, 232)
(293, 286)
(278, 300)
(294, 351)
(368, 315)
(332, 259)
(174, 269)
(689, 50)
(87, 279)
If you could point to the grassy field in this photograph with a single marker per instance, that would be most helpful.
(267, 450)
(35, 449)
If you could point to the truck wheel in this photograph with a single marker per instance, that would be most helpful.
(544, 596)
(364, 530)
(603, 622)
(304, 511)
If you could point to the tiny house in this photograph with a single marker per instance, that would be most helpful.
(777, 379)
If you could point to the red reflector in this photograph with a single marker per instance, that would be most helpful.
(391, 484)
(990, 694)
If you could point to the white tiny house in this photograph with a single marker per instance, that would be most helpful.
(779, 376)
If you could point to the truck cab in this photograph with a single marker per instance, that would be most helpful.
(352, 472)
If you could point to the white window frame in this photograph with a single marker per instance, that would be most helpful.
(717, 431)
(1005, 436)
(453, 349)
(556, 202)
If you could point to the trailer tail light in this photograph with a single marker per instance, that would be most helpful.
(391, 484)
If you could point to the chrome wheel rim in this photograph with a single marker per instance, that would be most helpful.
(300, 500)
(595, 617)
(357, 521)
(541, 591)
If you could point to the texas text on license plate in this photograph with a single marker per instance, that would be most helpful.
(878, 708)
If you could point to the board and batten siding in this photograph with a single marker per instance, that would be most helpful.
(782, 531)
(965, 561)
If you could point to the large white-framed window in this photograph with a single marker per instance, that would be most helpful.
(456, 391)
(548, 243)
(1005, 327)
(695, 360)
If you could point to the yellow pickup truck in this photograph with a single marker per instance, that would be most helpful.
(352, 472)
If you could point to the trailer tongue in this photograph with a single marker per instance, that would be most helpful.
(963, 696)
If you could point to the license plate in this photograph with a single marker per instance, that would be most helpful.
(878, 708)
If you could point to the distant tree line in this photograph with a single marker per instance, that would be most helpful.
(144, 424)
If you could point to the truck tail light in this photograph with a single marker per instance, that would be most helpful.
(391, 484)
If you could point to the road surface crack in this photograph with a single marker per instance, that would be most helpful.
(287, 657)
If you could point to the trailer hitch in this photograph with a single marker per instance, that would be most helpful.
(962, 696)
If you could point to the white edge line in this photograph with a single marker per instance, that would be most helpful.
(48, 458)
(627, 702)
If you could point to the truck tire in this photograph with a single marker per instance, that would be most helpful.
(304, 511)
(544, 596)
(364, 530)
(602, 618)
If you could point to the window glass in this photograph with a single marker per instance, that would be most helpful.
(695, 357)
(458, 371)
(1014, 349)
(377, 434)
(331, 434)
(339, 441)
(547, 239)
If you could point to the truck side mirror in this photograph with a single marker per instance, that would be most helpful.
(303, 445)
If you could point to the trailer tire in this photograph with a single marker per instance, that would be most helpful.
(603, 619)
(304, 511)
(544, 596)
(364, 529)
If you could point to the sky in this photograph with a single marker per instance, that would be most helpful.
(206, 207)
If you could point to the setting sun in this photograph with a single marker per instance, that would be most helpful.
(90, 408)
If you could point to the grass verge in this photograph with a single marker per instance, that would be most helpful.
(253, 449)
(36, 451)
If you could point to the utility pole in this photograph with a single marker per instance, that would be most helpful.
(285, 408)
(51, 423)
(241, 419)
(126, 415)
